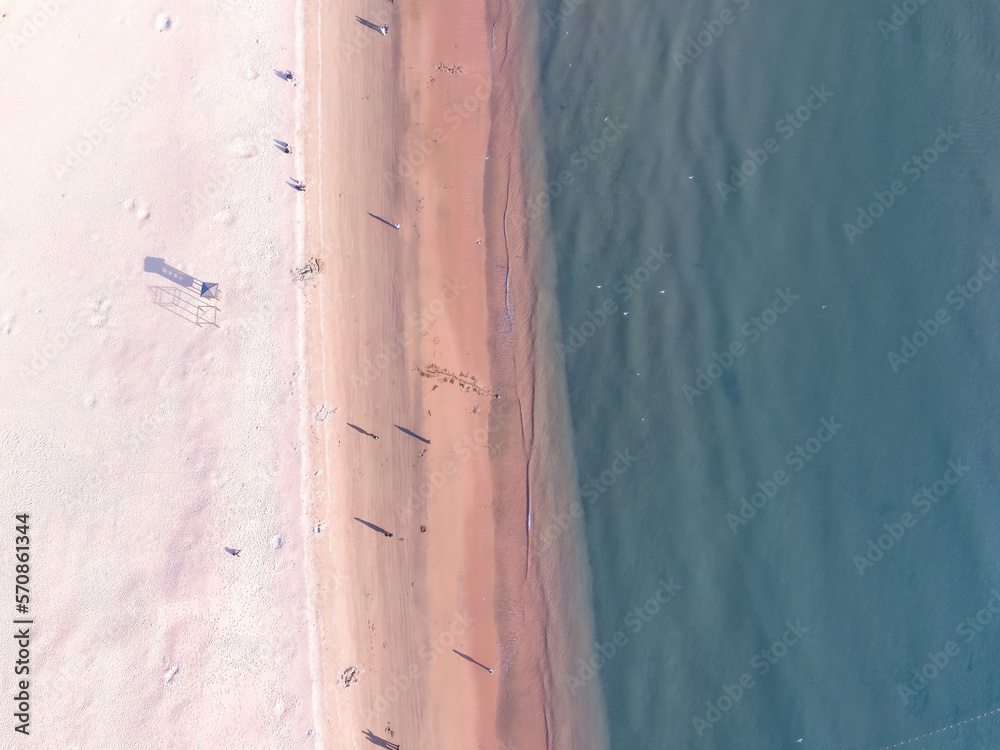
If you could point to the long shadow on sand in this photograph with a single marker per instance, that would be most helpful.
(376, 740)
(469, 658)
(370, 25)
(363, 432)
(372, 526)
(384, 221)
(412, 434)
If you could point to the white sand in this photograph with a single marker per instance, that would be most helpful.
(140, 443)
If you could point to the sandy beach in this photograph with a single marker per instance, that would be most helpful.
(140, 443)
(334, 416)
(396, 126)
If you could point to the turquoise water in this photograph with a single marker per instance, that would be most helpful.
(794, 217)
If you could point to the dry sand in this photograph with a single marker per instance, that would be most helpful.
(142, 444)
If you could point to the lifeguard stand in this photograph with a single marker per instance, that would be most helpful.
(189, 299)
(185, 304)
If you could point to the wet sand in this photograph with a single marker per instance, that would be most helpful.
(542, 600)
(388, 309)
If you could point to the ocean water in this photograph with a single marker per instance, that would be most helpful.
(775, 226)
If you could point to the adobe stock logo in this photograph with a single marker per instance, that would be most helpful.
(635, 621)
(761, 663)
(787, 127)
(923, 502)
(624, 289)
(958, 296)
(703, 39)
(582, 158)
(900, 15)
(969, 629)
(403, 681)
(566, 9)
(373, 367)
(752, 329)
(456, 114)
(592, 489)
(38, 20)
(915, 167)
(119, 110)
(796, 459)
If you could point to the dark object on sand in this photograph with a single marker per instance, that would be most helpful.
(378, 741)
(412, 434)
(384, 221)
(383, 29)
(233, 552)
(423, 528)
(349, 676)
(363, 432)
(469, 658)
(372, 526)
(282, 146)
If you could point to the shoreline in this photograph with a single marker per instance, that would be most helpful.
(542, 591)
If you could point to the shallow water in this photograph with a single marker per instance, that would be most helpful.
(714, 322)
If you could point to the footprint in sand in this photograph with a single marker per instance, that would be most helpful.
(244, 149)
(99, 309)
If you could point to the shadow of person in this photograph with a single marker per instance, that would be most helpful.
(373, 526)
(376, 740)
(363, 432)
(369, 24)
(412, 434)
(384, 221)
(469, 658)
